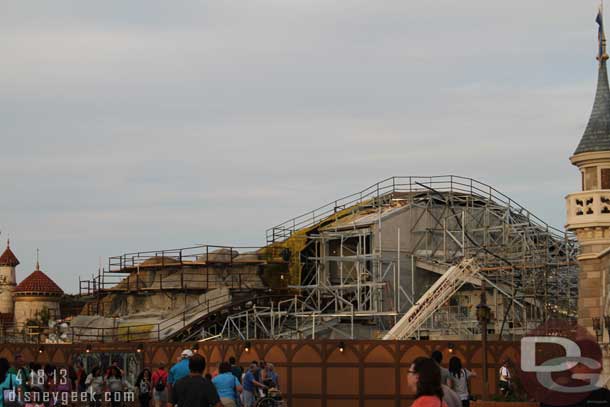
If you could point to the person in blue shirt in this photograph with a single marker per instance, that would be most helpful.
(8, 381)
(271, 377)
(178, 371)
(236, 370)
(250, 385)
(227, 385)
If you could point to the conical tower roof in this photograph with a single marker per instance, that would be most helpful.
(38, 283)
(8, 258)
(597, 134)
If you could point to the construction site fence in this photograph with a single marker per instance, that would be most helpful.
(331, 373)
(404, 184)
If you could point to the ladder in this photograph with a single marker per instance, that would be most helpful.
(433, 299)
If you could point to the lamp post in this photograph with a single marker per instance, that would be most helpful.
(484, 316)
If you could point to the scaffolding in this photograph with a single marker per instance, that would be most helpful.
(353, 264)
(356, 266)
(130, 272)
(442, 289)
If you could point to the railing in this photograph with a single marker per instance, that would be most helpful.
(185, 280)
(119, 274)
(103, 281)
(588, 207)
(402, 184)
(164, 329)
(11, 332)
(149, 332)
(201, 254)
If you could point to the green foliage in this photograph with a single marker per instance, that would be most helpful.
(41, 319)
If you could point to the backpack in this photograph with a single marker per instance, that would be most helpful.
(160, 385)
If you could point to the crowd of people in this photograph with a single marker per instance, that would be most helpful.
(229, 386)
(437, 386)
(186, 385)
(35, 385)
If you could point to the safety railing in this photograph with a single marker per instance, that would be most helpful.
(201, 254)
(144, 332)
(405, 184)
(11, 332)
(185, 280)
(103, 281)
(166, 328)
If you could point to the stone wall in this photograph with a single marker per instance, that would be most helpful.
(590, 293)
(155, 289)
(28, 307)
(7, 285)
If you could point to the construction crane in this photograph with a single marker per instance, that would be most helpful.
(443, 289)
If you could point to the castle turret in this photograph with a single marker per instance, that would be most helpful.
(8, 263)
(588, 211)
(36, 294)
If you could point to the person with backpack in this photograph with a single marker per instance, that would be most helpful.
(144, 386)
(460, 378)
(159, 383)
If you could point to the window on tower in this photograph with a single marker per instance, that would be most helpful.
(590, 178)
(605, 178)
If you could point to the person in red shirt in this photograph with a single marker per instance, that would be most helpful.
(424, 378)
(159, 384)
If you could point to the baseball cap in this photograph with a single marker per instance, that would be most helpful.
(187, 353)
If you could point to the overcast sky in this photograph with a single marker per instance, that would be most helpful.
(144, 125)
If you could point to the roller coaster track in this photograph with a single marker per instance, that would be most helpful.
(218, 316)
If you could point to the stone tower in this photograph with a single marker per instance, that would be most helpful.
(36, 293)
(588, 211)
(8, 262)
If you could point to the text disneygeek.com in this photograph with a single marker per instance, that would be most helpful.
(70, 397)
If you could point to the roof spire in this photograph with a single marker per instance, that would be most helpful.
(37, 259)
(597, 133)
(602, 56)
